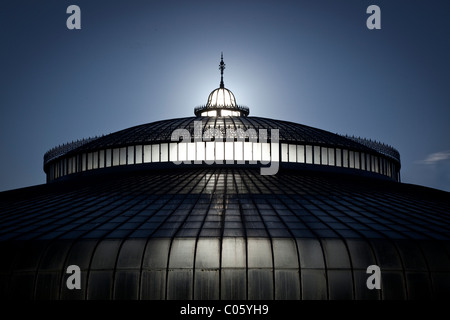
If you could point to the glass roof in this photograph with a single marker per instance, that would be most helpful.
(221, 97)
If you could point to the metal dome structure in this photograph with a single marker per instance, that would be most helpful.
(181, 209)
(221, 101)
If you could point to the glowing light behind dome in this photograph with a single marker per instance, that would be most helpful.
(221, 101)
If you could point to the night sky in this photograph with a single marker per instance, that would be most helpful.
(310, 62)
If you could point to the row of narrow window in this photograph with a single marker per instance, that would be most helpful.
(219, 152)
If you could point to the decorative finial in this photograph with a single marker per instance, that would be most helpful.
(221, 68)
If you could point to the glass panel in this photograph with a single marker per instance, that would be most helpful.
(147, 153)
(99, 287)
(285, 254)
(259, 253)
(309, 156)
(191, 151)
(228, 150)
(101, 158)
(95, 160)
(340, 283)
(345, 158)
(331, 157)
(182, 253)
(130, 155)
(248, 151)
(265, 152)
(74, 164)
(275, 152)
(324, 156)
(173, 152)
(220, 155)
(210, 156)
(284, 152)
(126, 284)
(357, 166)
(225, 113)
(363, 161)
(47, 285)
(206, 284)
(155, 153)
(311, 254)
(233, 253)
(81, 253)
(208, 251)
(301, 154)
(316, 155)
(292, 153)
(200, 151)
(105, 255)
(83, 162)
(56, 168)
(156, 254)
(418, 286)
(260, 284)
(131, 253)
(182, 151)
(115, 157)
(387, 255)
(123, 155)
(239, 150)
(338, 157)
(179, 284)
(164, 152)
(69, 165)
(138, 154)
(89, 161)
(108, 157)
(287, 284)
(256, 151)
(153, 284)
(233, 284)
(411, 256)
(393, 285)
(314, 284)
(336, 254)
(352, 159)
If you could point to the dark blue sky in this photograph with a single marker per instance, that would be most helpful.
(311, 62)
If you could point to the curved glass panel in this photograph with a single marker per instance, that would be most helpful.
(221, 97)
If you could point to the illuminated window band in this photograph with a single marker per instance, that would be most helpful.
(219, 152)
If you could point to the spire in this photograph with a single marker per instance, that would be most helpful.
(221, 101)
(221, 68)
